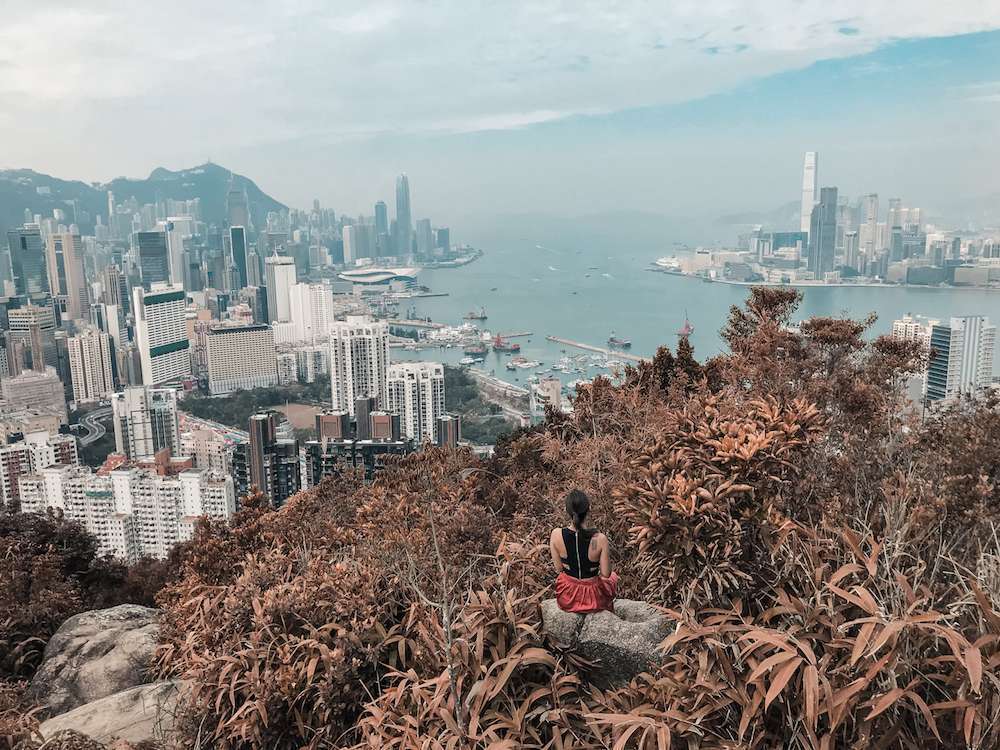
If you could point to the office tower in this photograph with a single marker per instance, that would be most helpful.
(896, 250)
(175, 229)
(404, 224)
(34, 326)
(442, 238)
(810, 181)
(382, 229)
(32, 453)
(29, 266)
(823, 233)
(154, 258)
(254, 275)
(449, 430)
(868, 230)
(280, 278)
(896, 211)
(962, 357)
(115, 285)
(145, 422)
(91, 365)
(311, 311)
(238, 247)
(364, 406)
(359, 359)
(31, 389)
(852, 254)
(416, 394)
(267, 462)
(161, 333)
(66, 278)
(350, 245)
(240, 358)
(425, 237)
(237, 205)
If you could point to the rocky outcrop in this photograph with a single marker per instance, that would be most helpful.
(140, 714)
(622, 644)
(94, 655)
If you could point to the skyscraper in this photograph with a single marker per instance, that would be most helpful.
(28, 262)
(161, 333)
(359, 361)
(67, 281)
(962, 357)
(279, 279)
(425, 237)
(404, 223)
(852, 255)
(416, 394)
(176, 229)
(810, 180)
(238, 244)
(381, 218)
(240, 358)
(823, 233)
(154, 258)
(146, 422)
(237, 205)
(868, 229)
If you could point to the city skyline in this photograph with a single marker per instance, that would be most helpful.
(586, 122)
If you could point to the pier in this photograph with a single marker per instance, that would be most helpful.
(614, 353)
(518, 335)
(406, 323)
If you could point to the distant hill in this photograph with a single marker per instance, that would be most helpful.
(783, 218)
(40, 193)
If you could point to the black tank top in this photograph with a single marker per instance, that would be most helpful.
(577, 562)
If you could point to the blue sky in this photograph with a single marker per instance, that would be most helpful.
(688, 108)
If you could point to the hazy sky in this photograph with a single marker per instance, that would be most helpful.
(698, 106)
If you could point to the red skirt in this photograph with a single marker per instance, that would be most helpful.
(583, 595)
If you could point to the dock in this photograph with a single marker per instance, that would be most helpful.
(406, 323)
(518, 335)
(613, 353)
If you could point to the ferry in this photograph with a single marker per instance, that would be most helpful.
(467, 361)
(473, 315)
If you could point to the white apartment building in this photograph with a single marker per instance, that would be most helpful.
(208, 449)
(913, 328)
(416, 394)
(312, 313)
(161, 333)
(35, 452)
(312, 362)
(133, 512)
(279, 272)
(145, 422)
(359, 361)
(240, 358)
(90, 365)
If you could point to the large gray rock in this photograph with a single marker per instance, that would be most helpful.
(623, 643)
(96, 654)
(140, 714)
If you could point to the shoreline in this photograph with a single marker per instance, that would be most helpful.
(824, 285)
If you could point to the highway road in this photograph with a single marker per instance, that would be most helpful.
(91, 422)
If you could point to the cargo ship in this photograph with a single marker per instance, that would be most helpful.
(618, 342)
(501, 344)
(475, 350)
(473, 315)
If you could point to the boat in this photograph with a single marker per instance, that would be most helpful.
(475, 349)
(501, 344)
(618, 342)
(687, 329)
(473, 315)
(467, 361)
(511, 366)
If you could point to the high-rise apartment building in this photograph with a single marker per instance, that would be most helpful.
(66, 278)
(312, 311)
(34, 389)
(34, 452)
(240, 358)
(449, 431)
(146, 422)
(961, 357)
(161, 333)
(359, 361)
(823, 233)
(913, 328)
(153, 255)
(404, 222)
(91, 365)
(810, 182)
(267, 462)
(209, 449)
(280, 278)
(416, 394)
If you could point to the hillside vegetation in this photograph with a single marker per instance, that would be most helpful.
(831, 563)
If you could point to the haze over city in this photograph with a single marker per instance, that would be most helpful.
(684, 110)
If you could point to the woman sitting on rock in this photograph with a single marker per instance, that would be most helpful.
(583, 561)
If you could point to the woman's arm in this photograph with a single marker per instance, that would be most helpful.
(556, 556)
(605, 556)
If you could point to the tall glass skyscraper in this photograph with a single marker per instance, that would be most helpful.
(28, 263)
(404, 223)
(823, 233)
(154, 258)
(238, 242)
